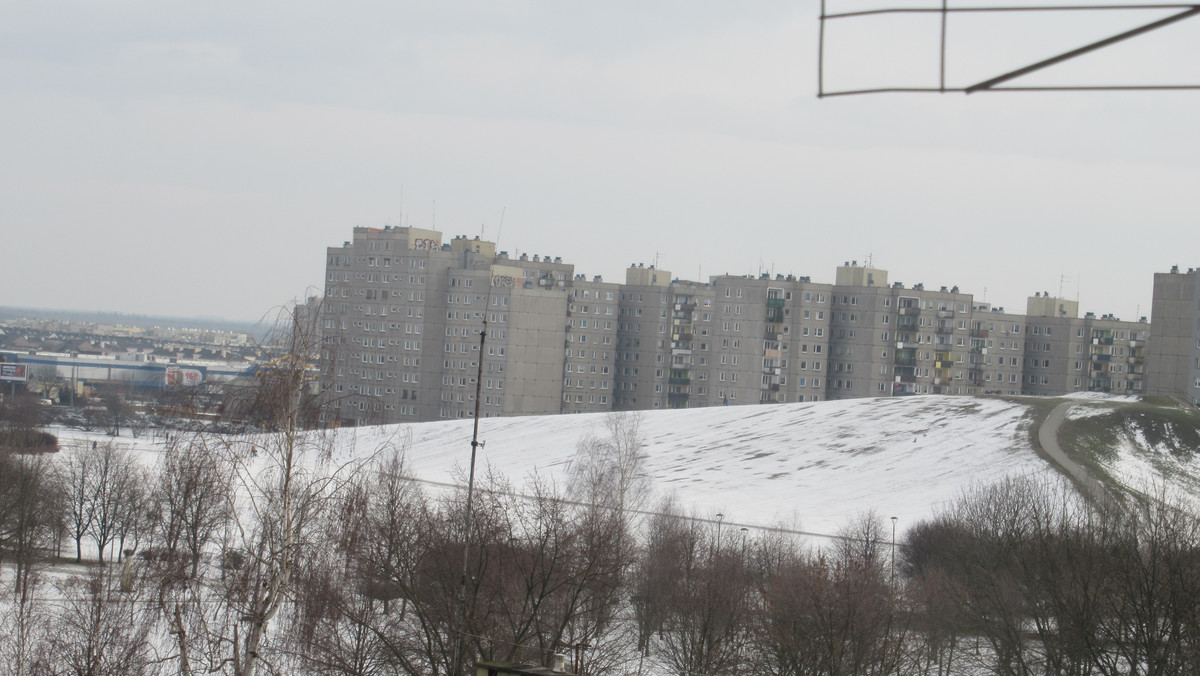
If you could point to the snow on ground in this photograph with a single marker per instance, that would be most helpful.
(1078, 412)
(1151, 468)
(1102, 396)
(811, 467)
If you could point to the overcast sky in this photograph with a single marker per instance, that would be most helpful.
(195, 159)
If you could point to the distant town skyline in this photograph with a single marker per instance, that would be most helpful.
(197, 161)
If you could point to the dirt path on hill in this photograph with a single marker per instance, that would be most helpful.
(1047, 436)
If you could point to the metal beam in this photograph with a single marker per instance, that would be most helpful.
(988, 84)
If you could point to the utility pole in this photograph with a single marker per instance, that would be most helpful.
(476, 444)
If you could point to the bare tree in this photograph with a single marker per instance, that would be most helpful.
(98, 629)
(609, 469)
(20, 420)
(280, 481)
(115, 482)
(23, 630)
(28, 507)
(117, 410)
(702, 611)
(1148, 610)
(76, 482)
(337, 628)
(191, 499)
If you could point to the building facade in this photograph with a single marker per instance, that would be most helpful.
(403, 314)
(1173, 356)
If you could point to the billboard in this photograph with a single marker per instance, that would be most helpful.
(13, 372)
(177, 377)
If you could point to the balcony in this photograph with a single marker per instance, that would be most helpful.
(909, 311)
(775, 302)
(944, 328)
(679, 380)
(910, 360)
(979, 333)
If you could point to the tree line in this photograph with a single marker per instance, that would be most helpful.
(276, 553)
(235, 556)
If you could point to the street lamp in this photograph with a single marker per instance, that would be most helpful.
(745, 531)
(720, 516)
(893, 550)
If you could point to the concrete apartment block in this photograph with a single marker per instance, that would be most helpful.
(1173, 352)
(644, 350)
(997, 350)
(770, 340)
(589, 377)
(1068, 353)
(403, 312)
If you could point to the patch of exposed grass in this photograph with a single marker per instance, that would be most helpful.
(1093, 441)
(1039, 409)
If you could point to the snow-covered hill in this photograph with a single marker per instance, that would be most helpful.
(810, 467)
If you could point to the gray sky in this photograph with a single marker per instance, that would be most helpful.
(197, 158)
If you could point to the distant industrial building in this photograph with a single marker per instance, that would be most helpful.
(403, 309)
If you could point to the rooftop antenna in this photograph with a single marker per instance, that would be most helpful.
(501, 228)
(433, 225)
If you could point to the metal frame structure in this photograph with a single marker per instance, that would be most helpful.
(993, 84)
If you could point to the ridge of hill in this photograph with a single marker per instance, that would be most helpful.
(814, 467)
(811, 466)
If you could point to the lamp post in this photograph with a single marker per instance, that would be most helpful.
(893, 550)
(720, 516)
(745, 531)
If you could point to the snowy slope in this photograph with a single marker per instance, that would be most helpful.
(810, 467)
